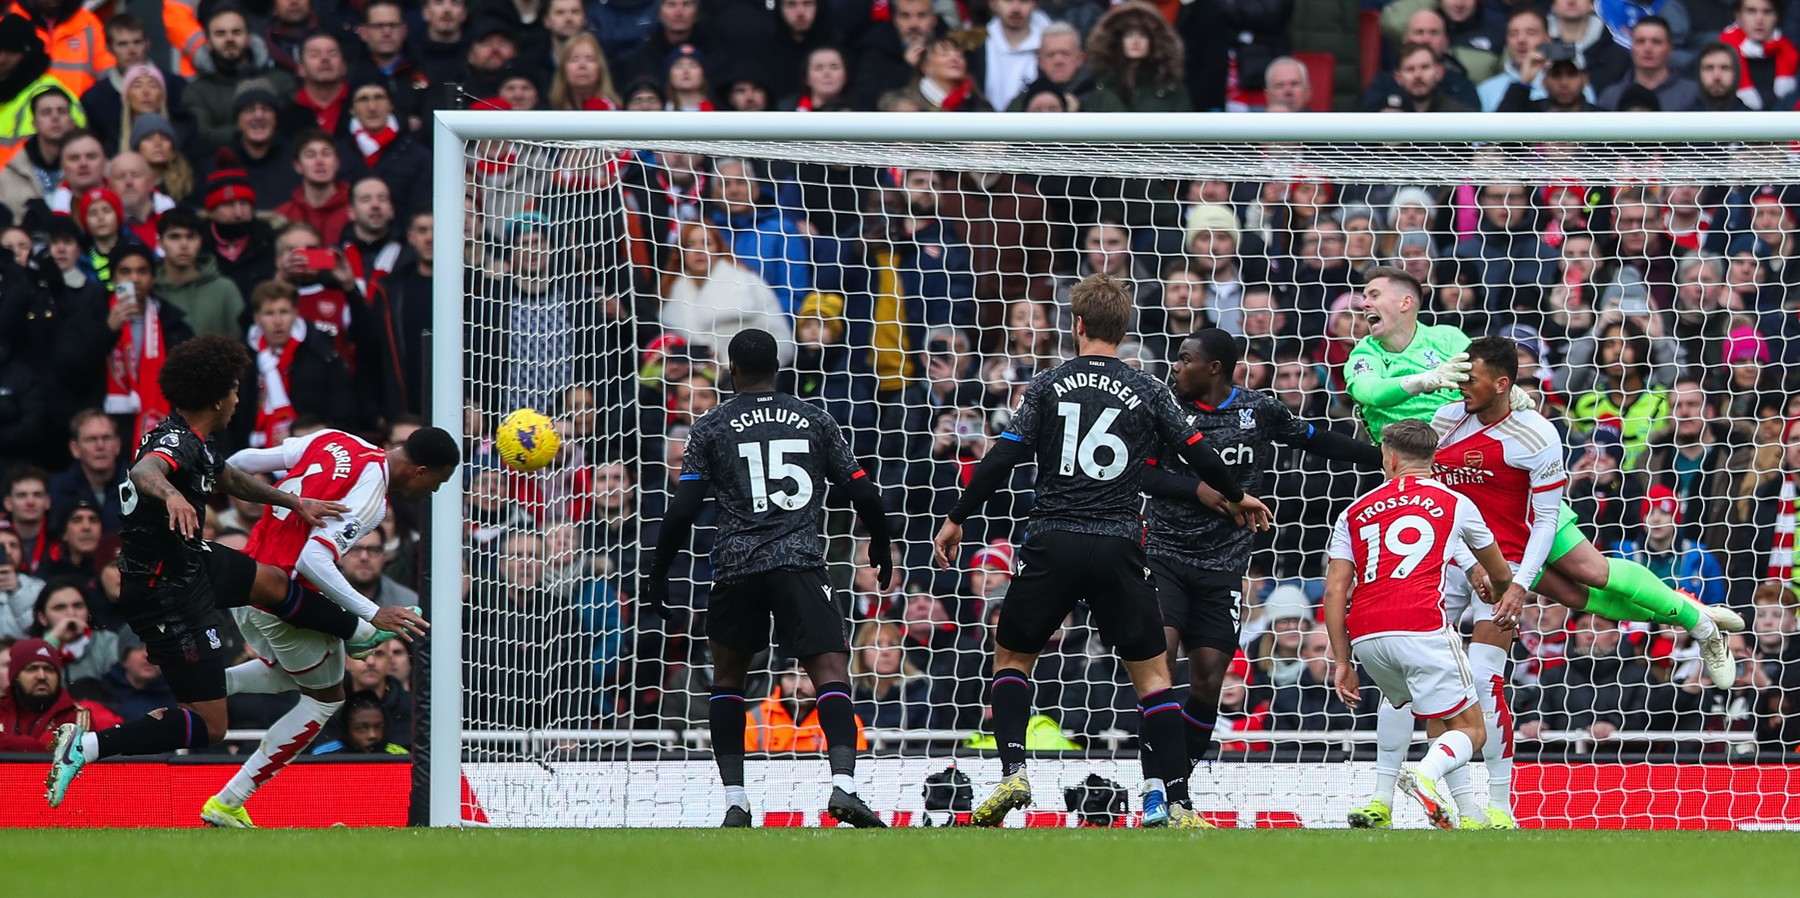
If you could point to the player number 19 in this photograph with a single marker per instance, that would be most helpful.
(1080, 448)
(1412, 550)
(777, 468)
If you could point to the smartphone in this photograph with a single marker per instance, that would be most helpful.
(318, 259)
(125, 291)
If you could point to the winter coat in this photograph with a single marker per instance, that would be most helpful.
(19, 184)
(1211, 30)
(212, 303)
(769, 243)
(731, 298)
(1330, 26)
(28, 424)
(405, 165)
(255, 264)
(318, 385)
(1109, 95)
(212, 93)
(134, 702)
(25, 730)
(622, 25)
(329, 219)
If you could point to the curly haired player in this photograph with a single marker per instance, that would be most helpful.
(174, 585)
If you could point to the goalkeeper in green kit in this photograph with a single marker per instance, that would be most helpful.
(1403, 369)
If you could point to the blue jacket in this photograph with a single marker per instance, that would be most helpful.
(71, 484)
(1688, 565)
(769, 243)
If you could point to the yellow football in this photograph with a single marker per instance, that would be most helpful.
(526, 440)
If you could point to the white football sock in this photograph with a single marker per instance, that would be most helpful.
(1488, 662)
(90, 745)
(844, 781)
(365, 631)
(1393, 736)
(1446, 753)
(258, 677)
(284, 741)
(1462, 788)
(1705, 628)
(735, 796)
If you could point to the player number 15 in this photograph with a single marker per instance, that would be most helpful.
(777, 468)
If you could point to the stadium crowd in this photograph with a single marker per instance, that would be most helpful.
(261, 169)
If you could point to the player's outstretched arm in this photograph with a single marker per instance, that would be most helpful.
(267, 460)
(150, 477)
(236, 483)
(1383, 392)
(1338, 577)
(990, 474)
(1340, 447)
(690, 496)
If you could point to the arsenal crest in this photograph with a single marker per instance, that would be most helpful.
(1474, 458)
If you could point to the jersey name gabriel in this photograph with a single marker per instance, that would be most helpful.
(768, 458)
(1091, 423)
(333, 466)
(151, 553)
(1244, 429)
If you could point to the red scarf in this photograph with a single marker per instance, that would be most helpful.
(275, 411)
(132, 372)
(955, 99)
(371, 143)
(325, 114)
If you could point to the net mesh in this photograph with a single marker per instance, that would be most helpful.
(915, 287)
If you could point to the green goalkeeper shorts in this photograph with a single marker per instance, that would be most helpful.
(1568, 536)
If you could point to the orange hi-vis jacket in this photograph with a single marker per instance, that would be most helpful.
(771, 728)
(75, 44)
(181, 24)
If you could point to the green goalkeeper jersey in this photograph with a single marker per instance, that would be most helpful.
(1372, 376)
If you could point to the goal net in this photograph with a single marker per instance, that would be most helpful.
(916, 270)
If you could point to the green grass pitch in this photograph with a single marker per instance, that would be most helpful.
(915, 862)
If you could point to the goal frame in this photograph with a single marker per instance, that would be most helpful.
(453, 130)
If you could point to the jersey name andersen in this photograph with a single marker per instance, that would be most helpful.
(1099, 382)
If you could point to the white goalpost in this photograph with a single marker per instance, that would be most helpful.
(914, 268)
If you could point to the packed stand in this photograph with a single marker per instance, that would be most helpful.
(263, 171)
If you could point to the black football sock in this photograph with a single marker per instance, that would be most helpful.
(837, 718)
(177, 728)
(726, 711)
(1010, 697)
(1200, 717)
(1160, 741)
(315, 612)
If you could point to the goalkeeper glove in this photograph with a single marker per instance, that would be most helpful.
(1443, 377)
(1521, 400)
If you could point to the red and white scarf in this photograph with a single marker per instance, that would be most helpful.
(1781, 549)
(275, 413)
(133, 369)
(372, 271)
(371, 143)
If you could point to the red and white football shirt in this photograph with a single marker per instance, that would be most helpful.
(1501, 466)
(1402, 537)
(332, 466)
